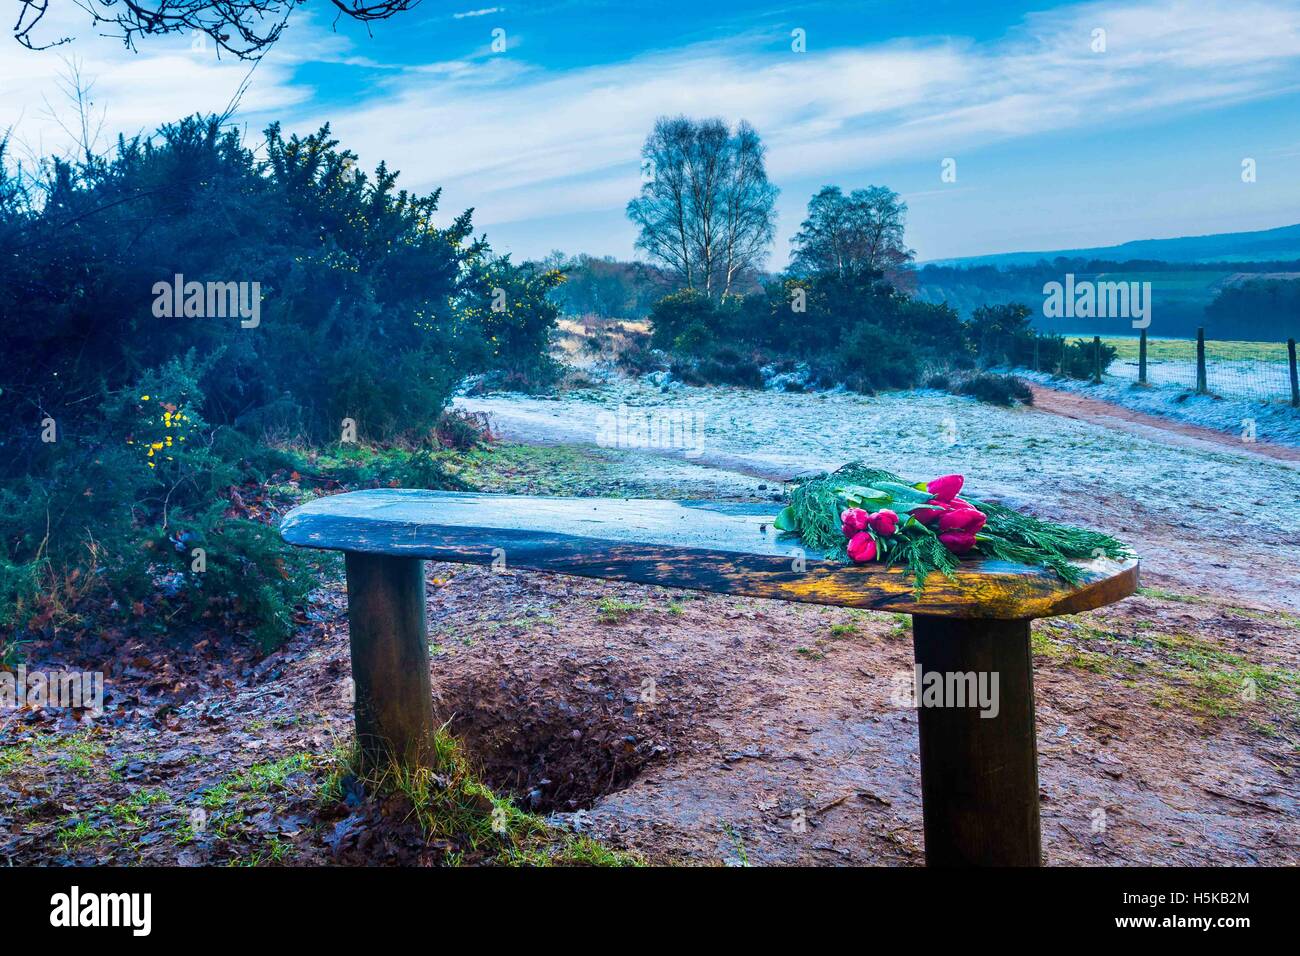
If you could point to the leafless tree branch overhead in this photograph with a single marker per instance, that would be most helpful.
(245, 28)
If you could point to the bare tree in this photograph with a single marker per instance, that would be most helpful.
(858, 232)
(705, 209)
(246, 28)
(748, 221)
(89, 123)
(662, 208)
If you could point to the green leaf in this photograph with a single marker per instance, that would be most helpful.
(785, 521)
(907, 507)
(864, 493)
(904, 492)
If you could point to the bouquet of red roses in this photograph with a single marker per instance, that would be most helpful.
(865, 514)
(954, 520)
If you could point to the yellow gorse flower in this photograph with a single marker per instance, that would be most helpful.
(173, 419)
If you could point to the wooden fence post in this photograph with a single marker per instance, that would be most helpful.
(1142, 358)
(1096, 359)
(1202, 385)
(1295, 382)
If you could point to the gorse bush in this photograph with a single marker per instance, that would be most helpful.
(690, 323)
(852, 327)
(137, 510)
(309, 292)
(995, 389)
(1001, 335)
(366, 309)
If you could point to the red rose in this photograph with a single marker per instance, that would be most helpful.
(884, 522)
(853, 520)
(962, 519)
(958, 542)
(930, 514)
(946, 487)
(862, 547)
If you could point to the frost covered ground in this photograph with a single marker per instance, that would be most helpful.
(1217, 520)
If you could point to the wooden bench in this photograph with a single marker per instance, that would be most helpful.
(979, 774)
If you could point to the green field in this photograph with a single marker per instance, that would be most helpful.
(1184, 350)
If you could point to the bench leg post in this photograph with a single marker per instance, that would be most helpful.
(979, 775)
(390, 660)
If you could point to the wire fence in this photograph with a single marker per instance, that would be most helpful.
(1249, 371)
(1254, 371)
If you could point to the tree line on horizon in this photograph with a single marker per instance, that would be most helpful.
(705, 221)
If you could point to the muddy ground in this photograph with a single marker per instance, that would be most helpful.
(704, 729)
(696, 729)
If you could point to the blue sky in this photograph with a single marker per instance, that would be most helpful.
(1057, 143)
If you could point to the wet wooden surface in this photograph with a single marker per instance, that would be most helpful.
(724, 547)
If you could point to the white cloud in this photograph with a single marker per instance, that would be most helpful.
(520, 142)
(525, 142)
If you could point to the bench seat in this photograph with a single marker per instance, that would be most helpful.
(719, 546)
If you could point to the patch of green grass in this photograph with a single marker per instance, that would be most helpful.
(1184, 350)
(613, 611)
(811, 653)
(675, 608)
(526, 622)
(533, 469)
(80, 833)
(14, 755)
(1191, 673)
(841, 632)
(1233, 610)
(497, 467)
(1164, 595)
(1254, 614)
(257, 779)
(453, 806)
(275, 851)
(82, 754)
(127, 812)
(1058, 644)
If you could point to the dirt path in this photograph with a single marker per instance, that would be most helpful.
(1108, 415)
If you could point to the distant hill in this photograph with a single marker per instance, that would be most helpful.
(1186, 276)
(1282, 243)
